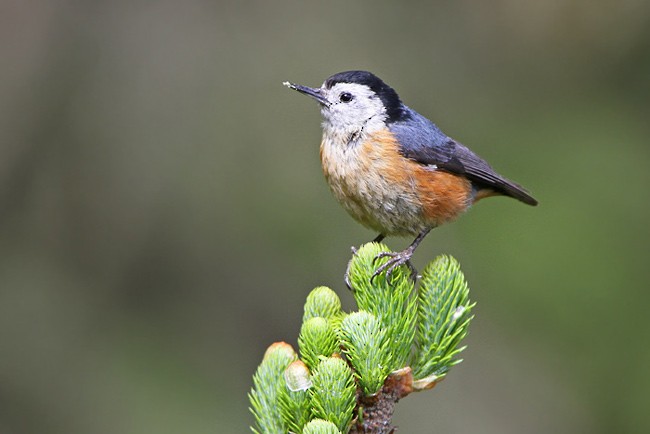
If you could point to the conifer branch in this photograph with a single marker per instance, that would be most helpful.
(333, 392)
(354, 368)
(268, 384)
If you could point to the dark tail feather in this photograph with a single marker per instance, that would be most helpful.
(513, 190)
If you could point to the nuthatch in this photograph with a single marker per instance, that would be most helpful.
(391, 168)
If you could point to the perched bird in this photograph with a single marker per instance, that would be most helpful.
(393, 169)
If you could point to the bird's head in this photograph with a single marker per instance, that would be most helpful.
(352, 101)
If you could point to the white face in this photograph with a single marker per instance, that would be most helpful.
(352, 107)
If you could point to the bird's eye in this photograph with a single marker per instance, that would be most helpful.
(346, 97)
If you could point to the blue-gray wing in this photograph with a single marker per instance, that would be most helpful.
(424, 142)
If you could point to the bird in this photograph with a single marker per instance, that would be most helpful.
(394, 170)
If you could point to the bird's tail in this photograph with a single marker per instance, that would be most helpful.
(516, 191)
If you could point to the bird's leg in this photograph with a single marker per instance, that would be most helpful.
(378, 239)
(400, 258)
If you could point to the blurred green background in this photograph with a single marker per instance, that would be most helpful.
(163, 213)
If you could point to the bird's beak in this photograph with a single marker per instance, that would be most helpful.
(315, 93)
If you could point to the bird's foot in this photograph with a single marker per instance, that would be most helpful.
(346, 278)
(396, 260)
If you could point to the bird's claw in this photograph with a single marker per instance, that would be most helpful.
(396, 260)
(346, 278)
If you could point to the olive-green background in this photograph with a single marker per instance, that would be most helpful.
(163, 214)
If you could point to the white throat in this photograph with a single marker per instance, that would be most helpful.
(349, 122)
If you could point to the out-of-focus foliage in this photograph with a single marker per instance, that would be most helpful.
(162, 206)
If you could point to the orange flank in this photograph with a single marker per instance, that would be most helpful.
(444, 196)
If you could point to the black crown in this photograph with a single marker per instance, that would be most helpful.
(387, 94)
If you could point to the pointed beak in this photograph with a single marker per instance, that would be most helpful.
(315, 93)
